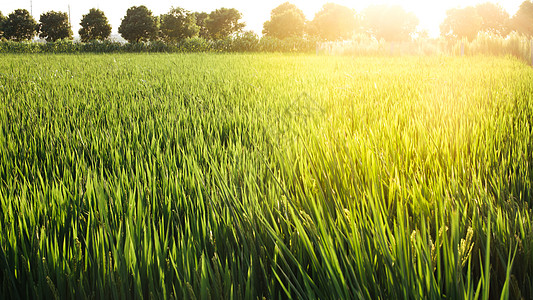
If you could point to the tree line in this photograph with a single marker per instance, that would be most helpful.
(487, 17)
(333, 22)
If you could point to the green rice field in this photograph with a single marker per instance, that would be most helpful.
(265, 176)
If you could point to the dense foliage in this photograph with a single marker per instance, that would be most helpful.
(286, 20)
(469, 21)
(138, 25)
(2, 20)
(333, 22)
(223, 22)
(94, 26)
(54, 26)
(523, 20)
(461, 23)
(494, 19)
(178, 24)
(251, 176)
(201, 19)
(243, 42)
(20, 26)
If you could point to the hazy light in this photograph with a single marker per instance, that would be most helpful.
(255, 13)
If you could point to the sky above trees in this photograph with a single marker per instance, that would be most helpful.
(255, 13)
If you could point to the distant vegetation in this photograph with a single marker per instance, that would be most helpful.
(243, 42)
(332, 23)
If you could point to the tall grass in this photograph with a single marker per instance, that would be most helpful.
(484, 44)
(494, 45)
(363, 45)
(250, 176)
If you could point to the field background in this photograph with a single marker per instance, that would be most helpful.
(265, 175)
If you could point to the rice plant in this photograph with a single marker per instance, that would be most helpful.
(265, 176)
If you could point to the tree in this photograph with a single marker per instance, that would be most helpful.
(494, 18)
(20, 26)
(523, 19)
(333, 22)
(223, 22)
(54, 26)
(391, 23)
(178, 24)
(138, 25)
(461, 23)
(94, 26)
(2, 21)
(286, 20)
(201, 20)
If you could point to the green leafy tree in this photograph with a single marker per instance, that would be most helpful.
(54, 26)
(391, 23)
(522, 21)
(223, 22)
(333, 22)
(20, 26)
(201, 20)
(178, 24)
(461, 23)
(138, 25)
(94, 26)
(2, 21)
(286, 20)
(494, 18)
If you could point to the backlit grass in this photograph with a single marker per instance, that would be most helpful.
(250, 176)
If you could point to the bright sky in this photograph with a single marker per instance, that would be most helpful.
(255, 13)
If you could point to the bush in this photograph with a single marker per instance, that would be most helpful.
(246, 42)
(223, 45)
(292, 44)
(194, 45)
(60, 46)
(19, 47)
(270, 44)
(101, 47)
(360, 45)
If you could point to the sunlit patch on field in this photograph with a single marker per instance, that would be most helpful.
(246, 176)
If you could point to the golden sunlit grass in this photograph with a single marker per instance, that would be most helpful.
(249, 176)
